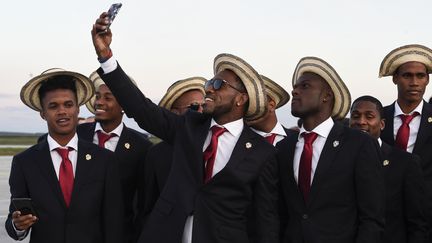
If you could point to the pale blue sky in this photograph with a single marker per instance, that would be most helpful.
(159, 42)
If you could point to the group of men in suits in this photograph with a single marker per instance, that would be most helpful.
(227, 170)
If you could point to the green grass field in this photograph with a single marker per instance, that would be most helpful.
(18, 140)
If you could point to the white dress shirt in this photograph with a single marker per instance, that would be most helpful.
(226, 144)
(109, 65)
(323, 131)
(414, 125)
(111, 144)
(277, 129)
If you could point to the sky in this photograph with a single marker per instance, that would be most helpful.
(160, 42)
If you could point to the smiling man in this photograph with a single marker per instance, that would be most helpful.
(73, 184)
(108, 131)
(409, 119)
(220, 166)
(331, 184)
(405, 221)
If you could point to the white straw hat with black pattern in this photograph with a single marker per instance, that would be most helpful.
(179, 88)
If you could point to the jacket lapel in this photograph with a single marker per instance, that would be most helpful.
(124, 143)
(198, 139)
(425, 129)
(285, 157)
(387, 134)
(46, 167)
(331, 148)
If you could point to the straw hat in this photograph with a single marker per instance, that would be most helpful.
(404, 54)
(342, 96)
(97, 81)
(180, 87)
(275, 91)
(30, 91)
(251, 80)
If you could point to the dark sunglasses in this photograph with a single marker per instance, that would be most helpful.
(193, 106)
(217, 84)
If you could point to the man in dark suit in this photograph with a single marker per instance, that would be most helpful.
(331, 183)
(129, 145)
(409, 119)
(405, 221)
(181, 96)
(268, 126)
(220, 166)
(73, 184)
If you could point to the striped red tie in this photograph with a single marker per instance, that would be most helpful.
(210, 152)
(403, 133)
(305, 168)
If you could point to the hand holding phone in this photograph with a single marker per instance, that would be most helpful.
(24, 205)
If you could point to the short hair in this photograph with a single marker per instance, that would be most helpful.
(372, 99)
(57, 82)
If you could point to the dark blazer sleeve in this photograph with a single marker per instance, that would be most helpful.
(149, 116)
(114, 225)
(18, 189)
(266, 202)
(414, 201)
(370, 191)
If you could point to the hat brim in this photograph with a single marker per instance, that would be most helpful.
(404, 54)
(342, 96)
(275, 91)
(30, 91)
(180, 87)
(251, 80)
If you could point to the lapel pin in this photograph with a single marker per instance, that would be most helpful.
(248, 145)
(127, 145)
(335, 143)
(386, 162)
(430, 119)
(88, 157)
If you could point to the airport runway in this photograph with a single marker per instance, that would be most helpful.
(5, 163)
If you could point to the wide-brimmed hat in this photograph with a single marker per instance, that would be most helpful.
(251, 80)
(180, 87)
(97, 81)
(342, 96)
(404, 54)
(275, 91)
(30, 91)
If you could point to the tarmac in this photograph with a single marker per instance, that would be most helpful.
(5, 163)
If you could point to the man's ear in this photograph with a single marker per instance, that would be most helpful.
(271, 104)
(42, 115)
(382, 124)
(394, 78)
(242, 99)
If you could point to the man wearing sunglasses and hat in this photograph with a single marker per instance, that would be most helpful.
(130, 146)
(182, 96)
(331, 184)
(220, 167)
(409, 118)
(73, 184)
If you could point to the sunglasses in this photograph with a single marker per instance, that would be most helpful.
(217, 84)
(193, 106)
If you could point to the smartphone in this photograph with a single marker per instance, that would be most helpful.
(113, 11)
(24, 205)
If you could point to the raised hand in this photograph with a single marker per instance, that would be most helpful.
(102, 37)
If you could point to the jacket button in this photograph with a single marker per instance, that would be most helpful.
(305, 216)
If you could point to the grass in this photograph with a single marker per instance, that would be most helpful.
(10, 151)
(18, 140)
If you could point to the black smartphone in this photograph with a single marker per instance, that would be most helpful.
(113, 11)
(24, 205)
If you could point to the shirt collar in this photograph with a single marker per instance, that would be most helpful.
(234, 127)
(398, 110)
(322, 129)
(277, 129)
(380, 142)
(117, 131)
(73, 143)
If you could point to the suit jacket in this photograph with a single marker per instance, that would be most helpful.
(91, 216)
(346, 201)
(422, 148)
(405, 221)
(131, 151)
(219, 206)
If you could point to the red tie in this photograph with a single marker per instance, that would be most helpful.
(66, 177)
(210, 152)
(270, 138)
(305, 168)
(404, 131)
(103, 137)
